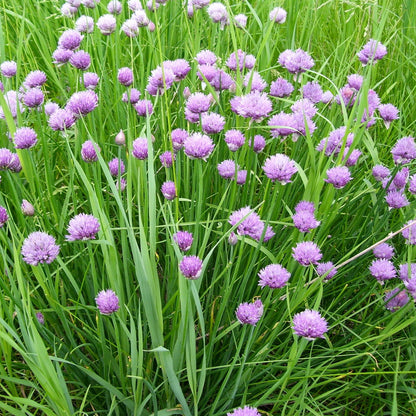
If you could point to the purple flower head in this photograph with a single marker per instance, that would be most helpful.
(114, 7)
(207, 72)
(39, 247)
(245, 411)
(258, 144)
(183, 239)
(121, 184)
(312, 91)
(178, 137)
(61, 56)
(309, 324)
(244, 61)
(334, 142)
(282, 124)
(383, 251)
(305, 206)
(278, 15)
(90, 80)
(352, 158)
(274, 275)
(83, 227)
(372, 52)
(255, 80)
(191, 117)
(12, 103)
(222, 81)
(347, 95)
(401, 178)
(212, 123)
(305, 107)
(169, 190)
(396, 199)
(382, 269)
(412, 184)
(179, 67)
(338, 176)
(199, 4)
(327, 97)
(303, 125)
(107, 302)
(107, 24)
(160, 80)
(34, 79)
(132, 96)
(234, 139)
(140, 148)
(206, 57)
(327, 269)
(9, 160)
(61, 119)
(8, 69)
(27, 208)
(135, 5)
(116, 167)
(380, 172)
(241, 177)
(88, 152)
(255, 105)
(68, 10)
(3, 216)
(90, 3)
(407, 272)
(198, 146)
(355, 81)
(227, 169)
(191, 267)
(218, 13)
(81, 103)
(141, 18)
(167, 158)
(306, 253)
(240, 21)
(25, 138)
(84, 24)
(404, 151)
(388, 112)
(281, 88)
(279, 168)
(80, 60)
(120, 138)
(297, 61)
(33, 97)
(70, 39)
(409, 233)
(144, 108)
(130, 28)
(249, 313)
(395, 299)
(305, 221)
(198, 102)
(40, 318)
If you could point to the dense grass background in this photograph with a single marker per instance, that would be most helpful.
(175, 346)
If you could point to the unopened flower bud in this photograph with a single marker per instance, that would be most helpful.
(120, 138)
(27, 208)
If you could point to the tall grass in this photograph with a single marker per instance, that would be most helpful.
(175, 345)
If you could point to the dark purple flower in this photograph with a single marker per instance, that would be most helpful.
(83, 227)
(297, 61)
(372, 52)
(191, 267)
(3, 216)
(88, 152)
(244, 61)
(306, 253)
(183, 239)
(80, 60)
(27, 208)
(61, 119)
(274, 275)
(327, 269)
(382, 269)
(309, 324)
(404, 151)
(396, 299)
(241, 177)
(144, 108)
(212, 123)
(338, 176)
(140, 148)
(383, 251)
(70, 39)
(39, 247)
(116, 167)
(24, 138)
(178, 137)
(40, 318)
(107, 302)
(107, 24)
(281, 88)
(279, 168)
(169, 190)
(278, 15)
(352, 158)
(396, 199)
(249, 313)
(245, 411)
(91, 80)
(8, 69)
(198, 146)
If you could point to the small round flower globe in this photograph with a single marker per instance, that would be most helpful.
(183, 239)
(279, 168)
(274, 276)
(244, 411)
(309, 324)
(3, 216)
(107, 302)
(307, 253)
(250, 313)
(39, 247)
(169, 190)
(191, 267)
(88, 152)
(25, 138)
(83, 227)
